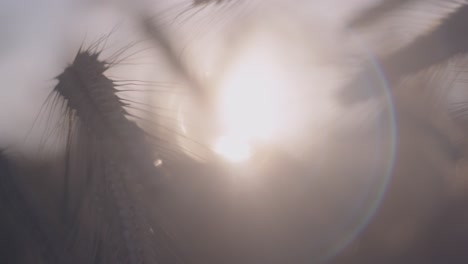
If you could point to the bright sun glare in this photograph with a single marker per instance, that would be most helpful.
(232, 149)
(249, 104)
(273, 91)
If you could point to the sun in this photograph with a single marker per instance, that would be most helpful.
(249, 104)
(232, 149)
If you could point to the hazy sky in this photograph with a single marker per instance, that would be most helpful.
(38, 39)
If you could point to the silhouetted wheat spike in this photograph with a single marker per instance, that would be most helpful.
(113, 184)
(23, 239)
(443, 43)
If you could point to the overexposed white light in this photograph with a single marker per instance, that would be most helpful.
(274, 90)
(232, 149)
(250, 103)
